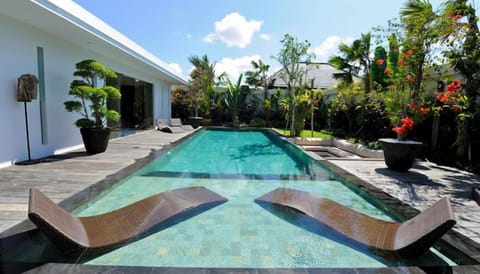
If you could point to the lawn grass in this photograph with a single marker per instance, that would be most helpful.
(308, 133)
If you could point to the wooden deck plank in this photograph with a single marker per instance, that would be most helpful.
(62, 176)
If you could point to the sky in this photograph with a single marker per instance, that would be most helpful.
(234, 32)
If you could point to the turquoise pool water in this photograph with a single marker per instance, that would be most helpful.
(240, 165)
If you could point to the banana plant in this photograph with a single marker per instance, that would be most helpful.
(234, 98)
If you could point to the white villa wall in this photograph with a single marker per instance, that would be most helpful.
(18, 52)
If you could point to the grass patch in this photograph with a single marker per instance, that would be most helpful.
(308, 133)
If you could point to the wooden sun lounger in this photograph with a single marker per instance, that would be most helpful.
(162, 125)
(410, 238)
(101, 233)
(176, 122)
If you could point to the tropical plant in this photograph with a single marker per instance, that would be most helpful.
(314, 97)
(291, 55)
(234, 98)
(350, 97)
(463, 34)
(418, 20)
(202, 80)
(353, 60)
(258, 77)
(91, 100)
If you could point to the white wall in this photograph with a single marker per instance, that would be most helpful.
(18, 52)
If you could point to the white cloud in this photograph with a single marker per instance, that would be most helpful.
(329, 47)
(234, 66)
(265, 36)
(234, 30)
(209, 38)
(174, 67)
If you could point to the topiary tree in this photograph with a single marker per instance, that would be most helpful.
(378, 66)
(91, 100)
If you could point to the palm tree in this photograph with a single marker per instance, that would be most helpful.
(363, 52)
(314, 96)
(353, 60)
(258, 77)
(417, 17)
(202, 78)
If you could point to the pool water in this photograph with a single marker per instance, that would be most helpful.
(241, 165)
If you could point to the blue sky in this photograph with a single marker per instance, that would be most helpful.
(233, 32)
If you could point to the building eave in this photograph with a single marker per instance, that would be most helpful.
(73, 23)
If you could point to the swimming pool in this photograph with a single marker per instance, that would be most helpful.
(241, 165)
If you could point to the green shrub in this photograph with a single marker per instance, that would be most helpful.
(206, 122)
(257, 122)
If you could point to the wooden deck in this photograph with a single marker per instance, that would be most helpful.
(62, 176)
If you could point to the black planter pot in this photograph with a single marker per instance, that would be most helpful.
(400, 155)
(95, 140)
(195, 121)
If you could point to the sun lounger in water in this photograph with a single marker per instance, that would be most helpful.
(408, 239)
(101, 233)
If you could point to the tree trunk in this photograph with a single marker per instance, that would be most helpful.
(311, 121)
(434, 139)
(418, 76)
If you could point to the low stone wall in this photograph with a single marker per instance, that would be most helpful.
(357, 149)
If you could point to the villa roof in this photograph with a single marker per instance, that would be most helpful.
(322, 73)
(71, 22)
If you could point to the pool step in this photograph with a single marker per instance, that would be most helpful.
(231, 176)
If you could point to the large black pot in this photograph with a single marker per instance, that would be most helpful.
(400, 155)
(95, 139)
(195, 121)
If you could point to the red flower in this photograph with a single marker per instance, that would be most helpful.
(399, 130)
(456, 17)
(409, 78)
(454, 86)
(424, 111)
(402, 63)
(442, 98)
(393, 87)
(409, 52)
(407, 124)
(380, 62)
(387, 70)
(412, 106)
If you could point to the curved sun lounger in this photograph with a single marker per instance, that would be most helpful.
(100, 233)
(410, 238)
(162, 125)
(176, 122)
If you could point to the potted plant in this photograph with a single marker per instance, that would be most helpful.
(402, 108)
(400, 153)
(91, 104)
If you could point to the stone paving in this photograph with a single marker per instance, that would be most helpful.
(423, 185)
